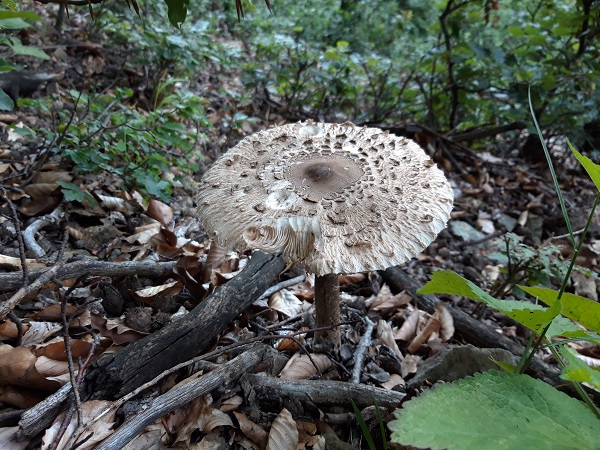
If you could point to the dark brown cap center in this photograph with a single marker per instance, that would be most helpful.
(318, 172)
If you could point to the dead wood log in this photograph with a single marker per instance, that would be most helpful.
(178, 396)
(471, 329)
(13, 280)
(272, 394)
(114, 375)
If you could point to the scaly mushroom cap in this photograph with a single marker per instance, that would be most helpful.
(336, 197)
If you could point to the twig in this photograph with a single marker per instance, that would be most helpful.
(282, 285)
(12, 280)
(361, 349)
(566, 235)
(7, 306)
(17, 224)
(29, 233)
(183, 394)
(13, 317)
(485, 238)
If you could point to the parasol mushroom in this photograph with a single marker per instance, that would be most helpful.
(336, 197)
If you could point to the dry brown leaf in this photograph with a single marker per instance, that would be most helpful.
(52, 176)
(394, 380)
(144, 234)
(386, 336)
(99, 430)
(300, 367)
(55, 349)
(115, 330)
(20, 397)
(168, 290)
(251, 430)
(149, 439)
(54, 370)
(231, 404)
(386, 303)
(160, 211)
(352, 278)
(446, 322)
(283, 434)
(51, 312)
(286, 303)
(432, 326)
(409, 365)
(9, 329)
(17, 366)
(408, 330)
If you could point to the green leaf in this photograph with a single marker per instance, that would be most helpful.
(6, 103)
(74, 193)
(577, 370)
(496, 410)
(177, 11)
(27, 50)
(534, 317)
(592, 169)
(19, 14)
(13, 24)
(580, 309)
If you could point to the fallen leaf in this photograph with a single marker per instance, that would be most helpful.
(283, 434)
(408, 330)
(301, 367)
(251, 430)
(446, 322)
(99, 430)
(160, 211)
(386, 336)
(286, 303)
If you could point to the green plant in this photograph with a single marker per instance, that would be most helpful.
(11, 21)
(504, 410)
(106, 132)
(365, 429)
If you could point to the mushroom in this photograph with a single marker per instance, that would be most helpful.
(336, 197)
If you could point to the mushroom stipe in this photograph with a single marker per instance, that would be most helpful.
(335, 197)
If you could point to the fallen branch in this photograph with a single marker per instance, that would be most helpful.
(274, 393)
(29, 233)
(471, 329)
(11, 281)
(114, 375)
(183, 394)
(361, 349)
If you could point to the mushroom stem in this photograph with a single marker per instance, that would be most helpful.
(327, 306)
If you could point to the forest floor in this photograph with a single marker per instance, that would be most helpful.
(159, 266)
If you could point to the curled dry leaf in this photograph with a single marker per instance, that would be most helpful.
(55, 349)
(394, 380)
(286, 303)
(387, 303)
(17, 366)
(115, 330)
(38, 332)
(432, 326)
(160, 211)
(51, 312)
(408, 330)
(283, 434)
(251, 430)
(144, 234)
(409, 365)
(446, 322)
(300, 367)
(231, 404)
(148, 294)
(353, 278)
(52, 176)
(99, 430)
(386, 336)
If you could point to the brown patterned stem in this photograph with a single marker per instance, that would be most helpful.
(327, 306)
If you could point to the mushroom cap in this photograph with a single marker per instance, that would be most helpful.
(336, 197)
